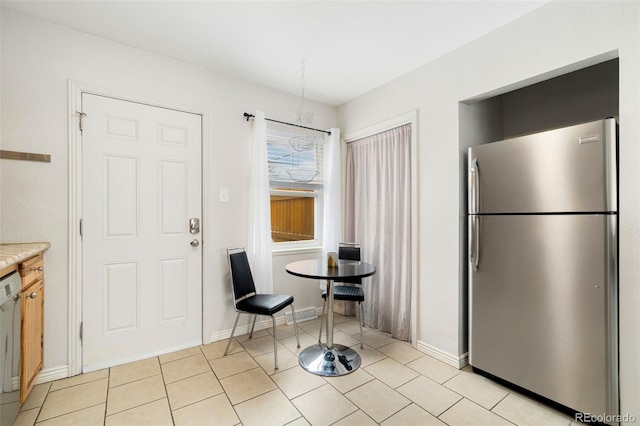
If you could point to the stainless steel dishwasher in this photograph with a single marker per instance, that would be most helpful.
(10, 286)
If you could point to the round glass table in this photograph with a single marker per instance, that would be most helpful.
(330, 359)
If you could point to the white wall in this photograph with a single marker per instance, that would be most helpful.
(559, 37)
(38, 59)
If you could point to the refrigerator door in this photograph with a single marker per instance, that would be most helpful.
(543, 306)
(566, 170)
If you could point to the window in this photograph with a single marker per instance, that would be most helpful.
(295, 175)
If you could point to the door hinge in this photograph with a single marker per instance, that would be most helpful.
(81, 116)
(81, 229)
(81, 331)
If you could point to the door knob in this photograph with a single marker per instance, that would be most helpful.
(195, 243)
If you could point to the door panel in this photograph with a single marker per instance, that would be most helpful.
(120, 196)
(120, 303)
(173, 212)
(541, 306)
(523, 175)
(142, 280)
(174, 288)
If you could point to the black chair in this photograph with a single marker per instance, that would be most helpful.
(247, 301)
(349, 289)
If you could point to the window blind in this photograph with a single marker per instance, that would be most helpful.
(295, 156)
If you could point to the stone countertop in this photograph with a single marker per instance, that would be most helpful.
(16, 253)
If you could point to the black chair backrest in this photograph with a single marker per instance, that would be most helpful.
(349, 252)
(241, 277)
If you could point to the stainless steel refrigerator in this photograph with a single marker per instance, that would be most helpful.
(543, 264)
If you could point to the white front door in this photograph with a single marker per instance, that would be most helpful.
(142, 265)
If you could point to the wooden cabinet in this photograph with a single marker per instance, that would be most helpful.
(32, 323)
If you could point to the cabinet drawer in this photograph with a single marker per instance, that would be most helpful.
(31, 270)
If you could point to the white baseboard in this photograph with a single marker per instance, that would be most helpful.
(262, 323)
(51, 374)
(458, 362)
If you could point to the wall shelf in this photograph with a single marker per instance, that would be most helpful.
(25, 156)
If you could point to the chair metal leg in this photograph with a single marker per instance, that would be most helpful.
(361, 321)
(275, 342)
(295, 324)
(233, 330)
(324, 305)
(253, 325)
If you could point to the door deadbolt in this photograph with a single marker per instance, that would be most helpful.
(194, 225)
(195, 243)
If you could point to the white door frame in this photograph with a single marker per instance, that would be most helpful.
(410, 117)
(74, 91)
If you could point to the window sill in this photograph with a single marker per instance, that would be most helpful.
(295, 250)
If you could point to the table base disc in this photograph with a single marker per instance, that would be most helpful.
(337, 361)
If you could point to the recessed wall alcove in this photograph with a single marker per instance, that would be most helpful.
(567, 98)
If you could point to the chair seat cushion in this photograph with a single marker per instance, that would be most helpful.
(346, 292)
(265, 304)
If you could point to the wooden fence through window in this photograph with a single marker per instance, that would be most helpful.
(292, 218)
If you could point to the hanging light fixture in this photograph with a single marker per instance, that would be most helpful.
(302, 175)
(301, 116)
(302, 142)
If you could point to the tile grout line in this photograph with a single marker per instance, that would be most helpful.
(37, 419)
(264, 367)
(106, 400)
(39, 408)
(166, 391)
(279, 341)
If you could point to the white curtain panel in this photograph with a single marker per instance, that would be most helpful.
(378, 216)
(258, 245)
(331, 197)
(332, 201)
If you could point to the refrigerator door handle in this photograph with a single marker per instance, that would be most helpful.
(474, 186)
(474, 243)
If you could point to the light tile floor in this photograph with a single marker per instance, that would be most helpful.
(396, 385)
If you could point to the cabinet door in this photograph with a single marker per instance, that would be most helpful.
(32, 336)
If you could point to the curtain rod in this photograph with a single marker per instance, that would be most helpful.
(248, 116)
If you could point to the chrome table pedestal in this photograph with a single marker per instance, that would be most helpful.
(337, 361)
(329, 359)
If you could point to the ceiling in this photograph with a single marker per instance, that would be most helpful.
(348, 47)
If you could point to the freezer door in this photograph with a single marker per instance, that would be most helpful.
(572, 169)
(543, 306)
